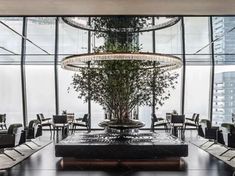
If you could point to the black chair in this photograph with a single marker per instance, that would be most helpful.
(227, 131)
(177, 124)
(34, 129)
(206, 130)
(10, 139)
(228, 134)
(61, 122)
(156, 122)
(3, 121)
(45, 122)
(193, 117)
(82, 122)
(194, 121)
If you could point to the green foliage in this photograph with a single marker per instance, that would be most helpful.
(120, 85)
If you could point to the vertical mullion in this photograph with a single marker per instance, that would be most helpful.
(212, 71)
(55, 65)
(23, 78)
(184, 66)
(154, 50)
(89, 99)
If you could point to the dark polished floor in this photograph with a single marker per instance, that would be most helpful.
(44, 163)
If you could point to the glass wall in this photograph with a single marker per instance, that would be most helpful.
(10, 73)
(169, 41)
(10, 93)
(10, 42)
(68, 97)
(71, 41)
(198, 69)
(39, 68)
(224, 76)
(40, 84)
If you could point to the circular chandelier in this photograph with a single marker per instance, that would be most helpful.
(76, 62)
(153, 23)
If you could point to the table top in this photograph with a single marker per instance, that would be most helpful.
(60, 124)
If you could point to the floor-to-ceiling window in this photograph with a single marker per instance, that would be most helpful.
(71, 41)
(169, 41)
(39, 69)
(198, 66)
(224, 76)
(146, 43)
(10, 73)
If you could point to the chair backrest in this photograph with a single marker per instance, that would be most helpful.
(33, 123)
(70, 116)
(194, 116)
(205, 123)
(226, 129)
(15, 131)
(34, 129)
(60, 119)
(196, 119)
(40, 117)
(177, 118)
(2, 118)
(168, 116)
(15, 128)
(154, 118)
(85, 118)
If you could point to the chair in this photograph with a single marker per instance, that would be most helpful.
(3, 121)
(34, 129)
(194, 121)
(156, 122)
(193, 117)
(10, 139)
(206, 130)
(228, 133)
(61, 122)
(177, 123)
(70, 117)
(228, 137)
(168, 117)
(45, 122)
(83, 122)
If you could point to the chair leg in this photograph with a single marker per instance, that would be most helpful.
(50, 128)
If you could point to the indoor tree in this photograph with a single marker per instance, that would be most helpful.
(120, 85)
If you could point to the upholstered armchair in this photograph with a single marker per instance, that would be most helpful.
(11, 138)
(206, 130)
(228, 133)
(34, 129)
